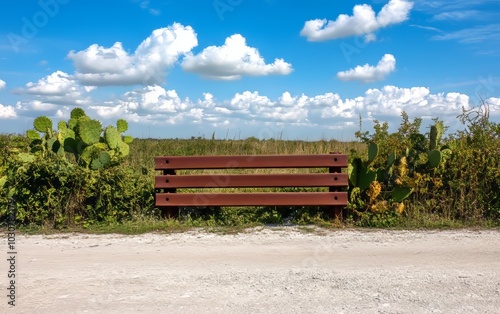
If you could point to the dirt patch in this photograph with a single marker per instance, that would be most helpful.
(263, 271)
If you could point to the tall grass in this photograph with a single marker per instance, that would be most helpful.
(470, 194)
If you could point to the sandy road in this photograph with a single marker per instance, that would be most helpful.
(263, 271)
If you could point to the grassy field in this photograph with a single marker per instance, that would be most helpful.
(53, 194)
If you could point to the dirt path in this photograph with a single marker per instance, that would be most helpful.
(265, 271)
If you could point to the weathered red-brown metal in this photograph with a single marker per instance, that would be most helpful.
(250, 161)
(169, 182)
(252, 199)
(251, 180)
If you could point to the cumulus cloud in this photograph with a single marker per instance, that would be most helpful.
(416, 101)
(149, 104)
(233, 60)
(2, 84)
(7, 112)
(364, 21)
(56, 84)
(368, 73)
(51, 91)
(155, 99)
(154, 105)
(494, 106)
(100, 66)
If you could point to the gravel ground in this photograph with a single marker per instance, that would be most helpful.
(266, 270)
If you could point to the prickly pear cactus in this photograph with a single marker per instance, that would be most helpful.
(435, 135)
(372, 152)
(434, 158)
(77, 113)
(33, 135)
(43, 124)
(122, 125)
(90, 131)
(85, 138)
(112, 137)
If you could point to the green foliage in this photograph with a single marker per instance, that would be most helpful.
(43, 124)
(128, 139)
(399, 186)
(434, 158)
(400, 193)
(122, 125)
(473, 175)
(72, 123)
(33, 135)
(62, 126)
(83, 138)
(77, 113)
(55, 193)
(112, 136)
(100, 161)
(435, 135)
(90, 132)
(372, 151)
(398, 165)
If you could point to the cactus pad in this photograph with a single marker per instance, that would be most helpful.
(400, 193)
(123, 149)
(72, 123)
(70, 145)
(391, 160)
(112, 137)
(128, 139)
(42, 124)
(366, 178)
(103, 160)
(33, 135)
(435, 135)
(62, 126)
(90, 131)
(353, 171)
(122, 125)
(434, 158)
(77, 113)
(372, 151)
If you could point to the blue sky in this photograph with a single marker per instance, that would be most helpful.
(239, 68)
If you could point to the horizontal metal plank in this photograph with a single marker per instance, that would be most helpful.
(251, 180)
(252, 199)
(250, 161)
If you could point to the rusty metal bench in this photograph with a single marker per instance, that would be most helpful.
(169, 198)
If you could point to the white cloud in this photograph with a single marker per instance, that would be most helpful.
(156, 107)
(255, 107)
(233, 60)
(416, 101)
(157, 99)
(7, 112)
(362, 22)
(149, 104)
(100, 66)
(58, 88)
(2, 84)
(494, 106)
(56, 84)
(368, 73)
(248, 99)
